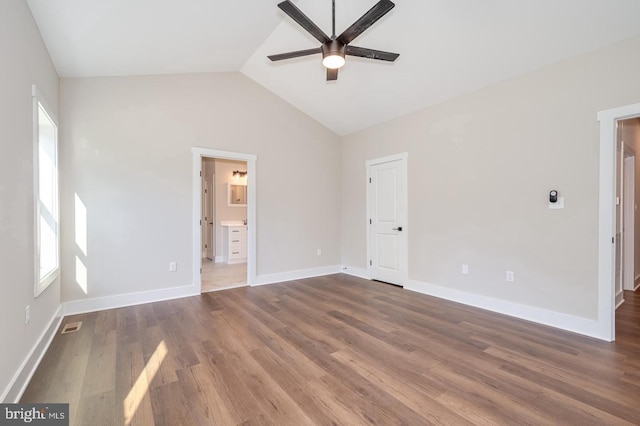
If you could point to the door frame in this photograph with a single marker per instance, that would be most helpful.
(251, 159)
(606, 217)
(628, 214)
(404, 261)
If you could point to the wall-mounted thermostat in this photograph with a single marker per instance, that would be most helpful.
(555, 202)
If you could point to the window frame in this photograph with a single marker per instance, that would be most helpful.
(41, 283)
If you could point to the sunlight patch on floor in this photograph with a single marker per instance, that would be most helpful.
(141, 387)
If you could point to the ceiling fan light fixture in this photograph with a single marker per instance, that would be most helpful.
(335, 48)
(333, 61)
(333, 54)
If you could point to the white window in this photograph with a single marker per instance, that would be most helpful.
(47, 225)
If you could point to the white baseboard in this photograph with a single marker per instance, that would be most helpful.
(21, 379)
(619, 299)
(559, 320)
(296, 275)
(129, 299)
(356, 272)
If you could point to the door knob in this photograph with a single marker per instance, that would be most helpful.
(399, 228)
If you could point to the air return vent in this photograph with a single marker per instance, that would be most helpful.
(71, 327)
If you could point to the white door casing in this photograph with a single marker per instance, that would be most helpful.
(605, 323)
(251, 159)
(387, 219)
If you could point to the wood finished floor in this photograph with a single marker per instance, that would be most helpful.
(336, 350)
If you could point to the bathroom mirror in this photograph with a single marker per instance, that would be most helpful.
(237, 195)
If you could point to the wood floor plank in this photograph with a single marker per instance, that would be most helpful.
(170, 406)
(166, 368)
(235, 393)
(100, 379)
(364, 389)
(319, 408)
(608, 387)
(336, 350)
(97, 409)
(413, 394)
(266, 337)
(132, 387)
(276, 404)
(203, 398)
(608, 405)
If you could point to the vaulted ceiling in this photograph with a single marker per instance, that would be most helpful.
(447, 47)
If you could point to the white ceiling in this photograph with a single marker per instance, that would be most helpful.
(447, 47)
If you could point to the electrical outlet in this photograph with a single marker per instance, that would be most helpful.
(27, 314)
(173, 266)
(465, 269)
(319, 252)
(510, 277)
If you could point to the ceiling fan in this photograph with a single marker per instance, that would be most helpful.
(334, 48)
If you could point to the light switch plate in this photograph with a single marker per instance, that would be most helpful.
(557, 205)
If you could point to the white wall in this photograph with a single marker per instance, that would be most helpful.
(25, 61)
(480, 170)
(224, 174)
(127, 154)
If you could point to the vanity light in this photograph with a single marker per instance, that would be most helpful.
(237, 173)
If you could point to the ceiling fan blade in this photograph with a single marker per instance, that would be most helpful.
(304, 21)
(296, 54)
(376, 12)
(332, 74)
(371, 53)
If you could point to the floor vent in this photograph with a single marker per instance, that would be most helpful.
(71, 327)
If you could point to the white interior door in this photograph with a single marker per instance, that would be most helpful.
(208, 220)
(387, 207)
(619, 221)
(628, 228)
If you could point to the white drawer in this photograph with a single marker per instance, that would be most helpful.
(235, 244)
(235, 253)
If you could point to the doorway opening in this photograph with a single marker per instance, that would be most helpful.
(608, 218)
(627, 264)
(224, 224)
(224, 220)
